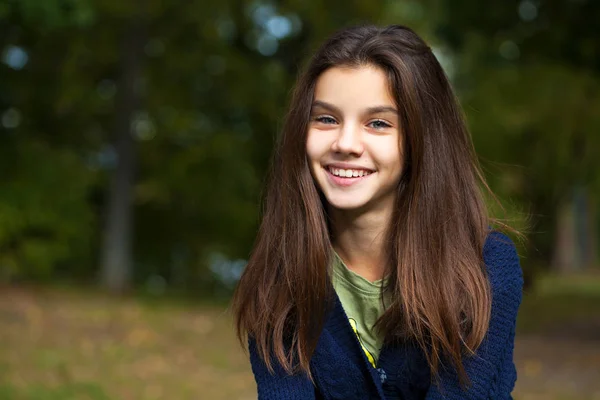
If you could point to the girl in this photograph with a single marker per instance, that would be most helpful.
(375, 274)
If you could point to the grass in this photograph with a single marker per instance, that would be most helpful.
(559, 303)
(77, 344)
(72, 345)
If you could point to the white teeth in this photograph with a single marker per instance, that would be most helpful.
(348, 173)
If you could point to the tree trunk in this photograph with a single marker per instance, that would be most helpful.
(117, 261)
(576, 233)
(565, 240)
(587, 228)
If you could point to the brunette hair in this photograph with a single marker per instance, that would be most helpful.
(441, 297)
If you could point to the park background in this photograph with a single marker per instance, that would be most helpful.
(134, 139)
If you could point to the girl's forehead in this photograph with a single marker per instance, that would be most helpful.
(354, 88)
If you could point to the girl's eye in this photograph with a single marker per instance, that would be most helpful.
(379, 124)
(325, 120)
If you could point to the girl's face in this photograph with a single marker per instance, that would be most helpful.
(353, 144)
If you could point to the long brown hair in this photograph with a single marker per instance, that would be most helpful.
(438, 284)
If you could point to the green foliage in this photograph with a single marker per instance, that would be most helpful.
(45, 219)
(52, 14)
(535, 129)
(530, 85)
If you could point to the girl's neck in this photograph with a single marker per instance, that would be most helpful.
(359, 240)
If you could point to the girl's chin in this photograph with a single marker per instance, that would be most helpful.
(346, 204)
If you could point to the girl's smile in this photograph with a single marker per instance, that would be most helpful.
(346, 174)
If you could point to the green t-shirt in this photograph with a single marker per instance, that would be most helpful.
(361, 300)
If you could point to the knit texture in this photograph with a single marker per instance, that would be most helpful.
(341, 369)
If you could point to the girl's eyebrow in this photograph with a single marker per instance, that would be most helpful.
(327, 106)
(381, 109)
(370, 110)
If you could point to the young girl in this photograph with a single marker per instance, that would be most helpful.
(375, 273)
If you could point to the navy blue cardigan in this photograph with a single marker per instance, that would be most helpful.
(342, 371)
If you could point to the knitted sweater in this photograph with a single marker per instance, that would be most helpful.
(341, 371)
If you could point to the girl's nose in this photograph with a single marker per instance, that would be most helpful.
(349, 140)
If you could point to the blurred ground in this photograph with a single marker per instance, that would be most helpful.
(61, 345)
(557, 350)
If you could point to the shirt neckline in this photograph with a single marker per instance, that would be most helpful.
(354, 281)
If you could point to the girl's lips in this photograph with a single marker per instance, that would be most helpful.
(345, 181)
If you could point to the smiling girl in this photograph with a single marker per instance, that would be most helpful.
(375, 273)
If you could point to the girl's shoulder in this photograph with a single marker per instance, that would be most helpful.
(502, 262)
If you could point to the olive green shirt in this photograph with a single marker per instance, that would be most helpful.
(362, 302)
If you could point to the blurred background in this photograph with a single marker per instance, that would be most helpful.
(134, 138)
